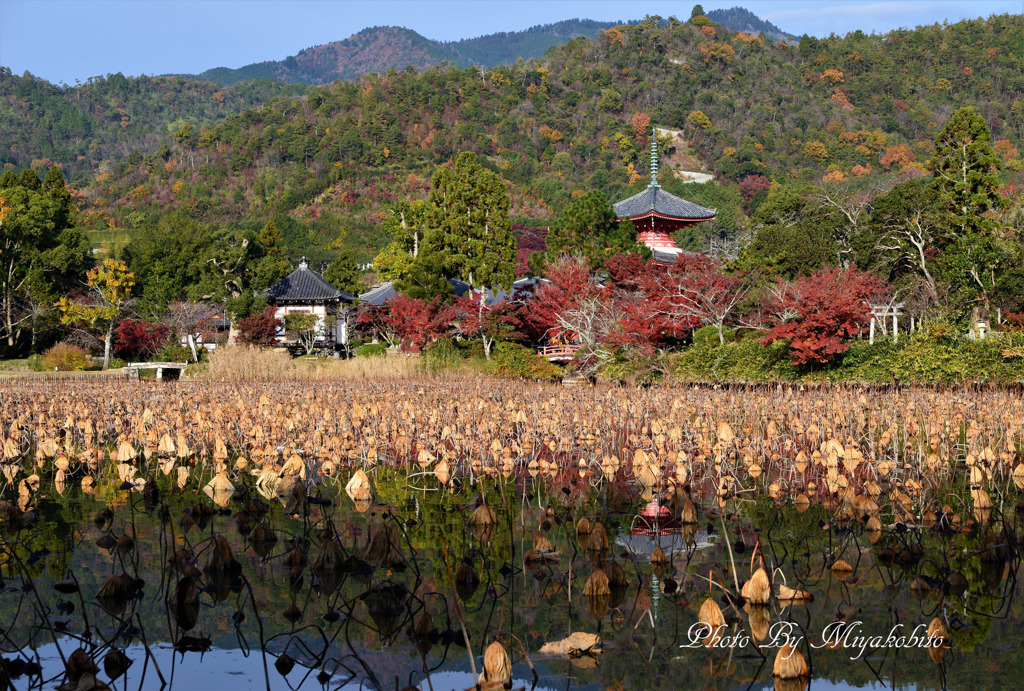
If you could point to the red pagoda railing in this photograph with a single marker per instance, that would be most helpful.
(559, 352)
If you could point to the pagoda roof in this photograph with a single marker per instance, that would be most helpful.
(654, 200)
(305, 286)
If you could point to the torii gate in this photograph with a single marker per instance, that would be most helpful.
(882, 312)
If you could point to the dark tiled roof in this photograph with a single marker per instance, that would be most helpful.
(378, 295)
(386, 292)
(657, 200)
(305, 286)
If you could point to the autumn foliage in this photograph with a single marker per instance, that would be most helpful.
(819, 313)
(260, 329)
(140, 338)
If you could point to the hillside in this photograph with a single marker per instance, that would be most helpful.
(95, 127)
(378, 49)
(324, 165)
(506, 47)
(381, 48)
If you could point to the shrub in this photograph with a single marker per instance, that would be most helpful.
(66, 358)
(708, 336)
(372, 350)
(515, 361)
(175, 352)
(740, 360)
(636, 366)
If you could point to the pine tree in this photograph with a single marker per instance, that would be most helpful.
(587, 228)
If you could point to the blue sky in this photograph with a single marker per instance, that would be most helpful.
(65, 40)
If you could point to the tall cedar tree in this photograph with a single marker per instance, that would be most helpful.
(469, 226)
(965, 175)
(965, 171)
(343, 273)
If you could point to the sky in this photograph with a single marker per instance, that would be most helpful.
(68, 40)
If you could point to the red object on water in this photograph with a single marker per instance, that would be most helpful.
(655, 520)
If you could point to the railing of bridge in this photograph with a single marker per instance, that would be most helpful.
(559, 352)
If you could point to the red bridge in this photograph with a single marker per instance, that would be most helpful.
(559, 353)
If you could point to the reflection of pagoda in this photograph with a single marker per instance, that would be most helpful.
(656, 214)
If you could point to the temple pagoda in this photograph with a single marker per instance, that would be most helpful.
(656, 214)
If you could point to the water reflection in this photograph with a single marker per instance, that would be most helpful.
(149, 584)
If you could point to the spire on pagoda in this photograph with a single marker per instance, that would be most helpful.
(654, 158)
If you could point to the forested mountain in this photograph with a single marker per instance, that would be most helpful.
(506, 47)
(741, 19)
(376, 49)
(380, 48)
(846, 110)
(92, 128)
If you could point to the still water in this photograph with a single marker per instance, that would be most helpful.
(259, 594)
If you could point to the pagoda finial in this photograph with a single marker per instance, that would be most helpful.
(654, 157)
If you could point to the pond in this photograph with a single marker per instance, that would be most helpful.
(148, 582)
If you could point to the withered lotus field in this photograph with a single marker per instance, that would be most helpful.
(481, 533)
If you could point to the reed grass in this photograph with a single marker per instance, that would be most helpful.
(239, 363)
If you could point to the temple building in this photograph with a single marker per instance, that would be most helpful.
(305, 291)
(656, 214)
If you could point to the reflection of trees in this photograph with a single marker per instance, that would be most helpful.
(354, 621)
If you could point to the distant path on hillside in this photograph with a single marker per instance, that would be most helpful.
(683, 175)
(691, 176)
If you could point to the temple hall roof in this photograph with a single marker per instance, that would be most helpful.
(305, 286)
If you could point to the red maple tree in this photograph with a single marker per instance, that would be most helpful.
(416, 323)
(567, 283)
(819, 313)
(260, 329)
(140, 338)
(701, 292)
(474, 317)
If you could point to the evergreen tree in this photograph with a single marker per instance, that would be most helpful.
(42, 252)
(468, 224)
(427, 277)
(965, 176)
(269, 265)
(587, 228)
(343, 273)
(965, 171)
(406, 222)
